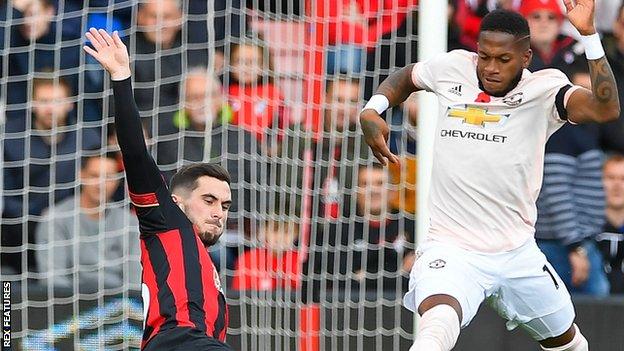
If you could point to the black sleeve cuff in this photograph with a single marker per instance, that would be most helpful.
(563, 113)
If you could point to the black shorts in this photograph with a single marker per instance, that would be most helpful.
(185, 339)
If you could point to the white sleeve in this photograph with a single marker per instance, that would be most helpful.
(426, 74)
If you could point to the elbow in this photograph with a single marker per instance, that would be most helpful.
(613, 114)
(608, 114)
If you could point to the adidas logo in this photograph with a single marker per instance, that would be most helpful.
(457, 90)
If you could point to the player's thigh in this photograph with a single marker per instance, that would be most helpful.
(532, 294)
(551, 325)
(444, 270)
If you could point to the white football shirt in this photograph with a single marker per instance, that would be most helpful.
(488, 152)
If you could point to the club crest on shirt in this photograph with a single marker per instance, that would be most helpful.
(513, 100)
(437, 264)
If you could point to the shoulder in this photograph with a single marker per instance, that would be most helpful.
(61, 211)
(546, 83)
(461, 54)
(548, 73)
(457, 58)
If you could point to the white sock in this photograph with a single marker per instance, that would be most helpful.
(438, 330)
(579, 343)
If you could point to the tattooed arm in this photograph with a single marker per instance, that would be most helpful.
(601, 104)
(397, 87)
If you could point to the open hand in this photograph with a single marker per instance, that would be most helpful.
(376, 133)
(581, 15)
(110, 52)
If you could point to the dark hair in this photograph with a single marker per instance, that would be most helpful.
(507, 22)
(614, 158)
(187, 176)
(89, 156)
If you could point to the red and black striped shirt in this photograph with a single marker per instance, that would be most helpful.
(181, 288)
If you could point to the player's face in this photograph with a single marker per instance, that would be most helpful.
(99, 179)
(501, 61)
(371, 194)
(207, 207)
(203, 98)
(613, 179)
(160, 21)
(341, 112)
(51, 105)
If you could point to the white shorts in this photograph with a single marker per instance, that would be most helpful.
(520, 285)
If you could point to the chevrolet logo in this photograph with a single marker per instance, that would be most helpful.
(474, 115)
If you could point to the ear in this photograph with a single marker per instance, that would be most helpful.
(178, 201)
(526, 59)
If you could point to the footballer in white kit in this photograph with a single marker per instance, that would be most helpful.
(494, 120)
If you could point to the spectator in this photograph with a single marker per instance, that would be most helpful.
(275, 265)
(355, 26)
(204, 106)
(34, 46)
(551, 49)
(159, 59)
(256, 101)
(202, 131)
(100, 243)
(339, 147)
(40, 168)
(611, 240)
(370, 249)
(228, 21)
(570, 208)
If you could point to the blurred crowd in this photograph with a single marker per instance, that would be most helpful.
(234, 82)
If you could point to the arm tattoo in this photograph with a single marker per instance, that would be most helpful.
(603, 82)
(398, 86)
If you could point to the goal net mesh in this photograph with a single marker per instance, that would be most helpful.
(319, 241)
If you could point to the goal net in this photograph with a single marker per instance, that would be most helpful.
(319, 241)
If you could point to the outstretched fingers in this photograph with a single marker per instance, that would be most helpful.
(382, 152)
(96, 39)
(90, 51)
(107, 38)
(117, 40)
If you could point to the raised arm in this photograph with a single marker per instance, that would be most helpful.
(142, 173)
(391, 92)
(602, 103)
